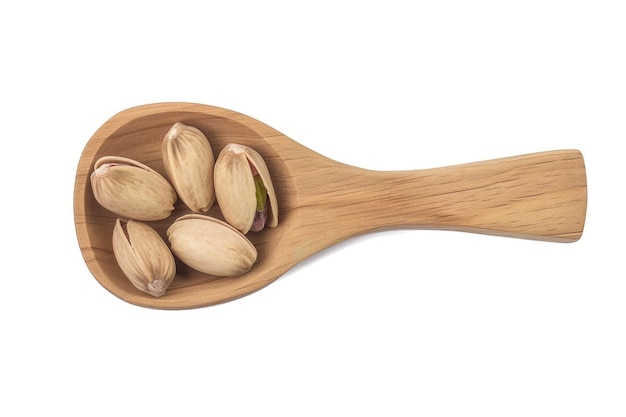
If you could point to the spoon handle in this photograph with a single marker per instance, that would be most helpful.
(540, 196)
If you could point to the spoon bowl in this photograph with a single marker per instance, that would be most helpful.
(541, 196)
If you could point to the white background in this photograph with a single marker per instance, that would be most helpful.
(396, 323)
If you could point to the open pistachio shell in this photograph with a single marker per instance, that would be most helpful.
(131, 189)
(143, 257)
(210, 245)
(236, 190)
(189, 161)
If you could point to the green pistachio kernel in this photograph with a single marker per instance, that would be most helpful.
(261, 193)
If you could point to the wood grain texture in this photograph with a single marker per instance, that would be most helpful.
(540, 196)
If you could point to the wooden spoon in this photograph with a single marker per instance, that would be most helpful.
(322, 202)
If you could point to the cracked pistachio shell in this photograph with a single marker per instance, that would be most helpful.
(131, 189)
(235, 189)
(143, 256)
(189, 163)
(210, 245)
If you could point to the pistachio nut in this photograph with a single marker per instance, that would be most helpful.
(244, 189)
(131, 189)
(189, 162)
(210, 245)
(143, 256)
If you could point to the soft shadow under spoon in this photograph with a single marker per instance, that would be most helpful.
(541, 196)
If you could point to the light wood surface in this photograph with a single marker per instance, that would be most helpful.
(540, 196)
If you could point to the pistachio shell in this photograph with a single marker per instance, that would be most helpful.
(143, 257)
(131, 189)
(210, 245)
(235, 188)
(189, 162)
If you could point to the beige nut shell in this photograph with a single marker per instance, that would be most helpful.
(189, 161)
(131, 189)
(235, 190)
(210, 245)
(143, 256)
